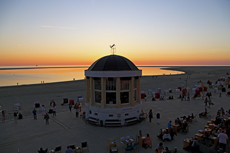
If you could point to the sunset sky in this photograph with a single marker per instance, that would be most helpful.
(148, 32)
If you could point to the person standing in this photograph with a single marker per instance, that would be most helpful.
(3, 116)
(150, 115)
(43, 110)
(80, 106)
(76, 108)
(70, 106)
(158, 118)
(206, 101)
(15, 116)
(35, 114)
(46, 117)
(68, 150)
(223, 140)
(170, 124)
(54, 111)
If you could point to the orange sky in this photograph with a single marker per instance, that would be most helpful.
(80, 32)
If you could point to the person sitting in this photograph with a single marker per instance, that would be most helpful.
(153, 99)
(228, 93)
(183, 117)
(218, 120)
(167, 150)
(203, 113)
(193, 145)
(160, 147)
(140, 133)
(162, 98)
(172, 134)
(195, 96)
(147, 142)
(192, 116)
(166, 135)
(50, 111)
(226, 113)
(222, 111)
(160, 135)
(176, 121)
(170, 98)
(42, 151)
(188, 118)
(184, 126)
(20, 116)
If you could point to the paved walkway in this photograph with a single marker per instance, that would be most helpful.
(28, 134)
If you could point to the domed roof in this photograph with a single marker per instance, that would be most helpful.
(112, 63)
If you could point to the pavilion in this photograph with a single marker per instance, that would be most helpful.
(113, 92)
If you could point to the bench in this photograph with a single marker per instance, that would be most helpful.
(93, 120)
(132, 120)
(113, 122)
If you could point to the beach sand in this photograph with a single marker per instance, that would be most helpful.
(29, 135)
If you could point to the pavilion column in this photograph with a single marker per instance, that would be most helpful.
(102, 92)
(139, 90)
(132, 101)
(87, 89)
(91, 92)
(118, 89)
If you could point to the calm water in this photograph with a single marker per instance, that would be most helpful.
(34, 75)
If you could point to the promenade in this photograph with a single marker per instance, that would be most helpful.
(28, 135)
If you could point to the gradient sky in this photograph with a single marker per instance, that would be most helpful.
(148, 32)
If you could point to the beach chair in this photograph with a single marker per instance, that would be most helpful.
(36, 104)
(150, 91)
(195, 118)
(129, 148)
(166, 93)
(57, 149)
(17, 106)
(122, 139)
(84, 145)
(177, 91)
(72, 147)
(136, 146)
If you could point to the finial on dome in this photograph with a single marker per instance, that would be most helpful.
(113, 48)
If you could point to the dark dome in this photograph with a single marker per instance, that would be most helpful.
(112, 63)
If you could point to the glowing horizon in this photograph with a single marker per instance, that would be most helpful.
(148, 33)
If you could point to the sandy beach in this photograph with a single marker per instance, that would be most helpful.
(29, 135)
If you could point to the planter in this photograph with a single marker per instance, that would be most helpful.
(206, 149)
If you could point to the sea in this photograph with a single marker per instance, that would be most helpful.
(26, 75)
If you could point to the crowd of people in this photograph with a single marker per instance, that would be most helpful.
(17, 115)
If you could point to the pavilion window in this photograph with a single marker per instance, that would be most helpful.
(97, 97)
(97, 90)
(110, 91)
(124, 92)
(135, 89)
